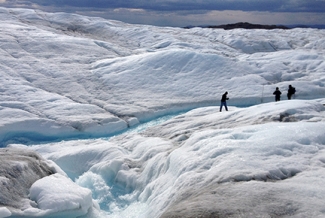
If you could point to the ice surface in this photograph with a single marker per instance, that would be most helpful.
(33, 186)
(19, 169)
(275, 164)
(57, 193)
(4, 212)
(68, 76)
(72, 86)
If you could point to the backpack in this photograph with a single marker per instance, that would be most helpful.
(293, 90)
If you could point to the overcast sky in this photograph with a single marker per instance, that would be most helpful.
(180, 13)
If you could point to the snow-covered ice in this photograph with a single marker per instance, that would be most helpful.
(32, 187)
(79, 92)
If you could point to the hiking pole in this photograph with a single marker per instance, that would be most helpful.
(262, 94)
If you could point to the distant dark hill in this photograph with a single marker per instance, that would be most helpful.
(245, 25)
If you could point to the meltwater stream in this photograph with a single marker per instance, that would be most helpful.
(117, 200)
(97, 164)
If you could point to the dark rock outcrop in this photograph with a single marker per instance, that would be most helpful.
(245, 25)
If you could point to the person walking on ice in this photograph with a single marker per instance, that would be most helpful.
(277, 94)
(291, 91)
(224, 99)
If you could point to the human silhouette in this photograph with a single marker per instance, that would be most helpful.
(277, 94)
(291, 91)
(224, 99)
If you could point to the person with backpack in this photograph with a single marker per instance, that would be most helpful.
(224, 99)
(291, 91)
(277, 94)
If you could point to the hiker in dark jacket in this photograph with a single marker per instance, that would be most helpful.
(224, 99)
(277, 94)
(291, 91)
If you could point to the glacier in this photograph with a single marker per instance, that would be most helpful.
(108, 119)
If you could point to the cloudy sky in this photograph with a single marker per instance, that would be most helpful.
(180, 13)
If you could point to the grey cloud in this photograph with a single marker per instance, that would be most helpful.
(180, 5)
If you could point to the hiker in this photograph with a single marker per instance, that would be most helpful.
(224, 99)
(277, 94)
(291, 91)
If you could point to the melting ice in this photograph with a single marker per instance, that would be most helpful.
(72, 87)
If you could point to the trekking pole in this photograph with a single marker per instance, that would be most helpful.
(262, 94)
